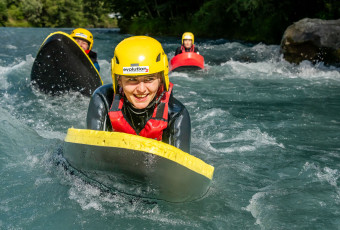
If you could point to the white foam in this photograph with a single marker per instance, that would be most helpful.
(329, 175)
(3, 82)
(254, 206)
(85, 195)
(189, 104)
(89, 197)
(259, 138)
(306, 70)
(325, 174)
(224, 46)
(11, 47)
(32, 160)
(17, 69)
(105, 71)
(5, 69)
(240, 143)
(281, 69)
(212, 113)
(263, 70)
(48, 134)
(178, 74)
(42, 181)
(245, 148)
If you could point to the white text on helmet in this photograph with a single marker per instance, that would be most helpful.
(81, 35)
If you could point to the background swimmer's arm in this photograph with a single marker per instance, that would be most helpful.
(178, 51)
(97, 114)
(93, 57)
(97, 66)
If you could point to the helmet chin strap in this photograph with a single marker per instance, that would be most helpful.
(136, 111)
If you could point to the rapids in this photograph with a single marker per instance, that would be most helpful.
(271, 130)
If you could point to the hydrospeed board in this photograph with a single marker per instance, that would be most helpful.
(137, 165)
(187, 60)
(62, 65)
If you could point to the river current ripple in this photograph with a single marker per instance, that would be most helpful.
(271, 130)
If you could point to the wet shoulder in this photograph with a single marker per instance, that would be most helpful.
(92, 54)
(105, 92)
(175, 107)
(104, 89)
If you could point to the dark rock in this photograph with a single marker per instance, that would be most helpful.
(315, 40)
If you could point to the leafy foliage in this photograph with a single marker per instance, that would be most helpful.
(249, 20)
(55, 13)
(3, 12)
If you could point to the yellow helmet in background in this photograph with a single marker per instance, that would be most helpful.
(137, 56)
(188, 35)
(84, 35)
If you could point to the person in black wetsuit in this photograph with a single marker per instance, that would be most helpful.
(140, 100)
(187, 44)
(84, 38)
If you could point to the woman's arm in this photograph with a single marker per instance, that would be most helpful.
(97, 114)
(178, 132)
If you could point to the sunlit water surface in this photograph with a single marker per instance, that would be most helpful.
(271, 130)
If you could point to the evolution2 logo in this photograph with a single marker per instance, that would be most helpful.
(81, 35)
(135, 69)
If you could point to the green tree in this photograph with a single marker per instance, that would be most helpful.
(60, 13)
(96, 13)
(3, 12)
(32, 10)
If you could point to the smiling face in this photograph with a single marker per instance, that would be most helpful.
(82, 43)
(141, 90)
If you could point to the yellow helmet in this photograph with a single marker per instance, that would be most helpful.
(137, 56)
(84, 35)
(188, 35)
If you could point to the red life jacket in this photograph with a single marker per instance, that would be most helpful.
(154, 126)
(191, 49)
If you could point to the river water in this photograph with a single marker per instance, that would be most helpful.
(271, 130)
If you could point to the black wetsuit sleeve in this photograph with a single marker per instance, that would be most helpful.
(97, 114)
(178, 132)
(93, 56)
(178, 51)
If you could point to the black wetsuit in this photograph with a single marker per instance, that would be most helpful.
(93, 56)
(178, 132)
(179, 50)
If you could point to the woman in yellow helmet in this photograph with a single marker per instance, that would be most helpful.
(140, 100)
(84, 38)
(187, 44)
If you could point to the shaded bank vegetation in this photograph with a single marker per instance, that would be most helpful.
(55, 13)
(248, 20)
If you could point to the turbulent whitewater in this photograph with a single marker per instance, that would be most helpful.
(271, 130)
